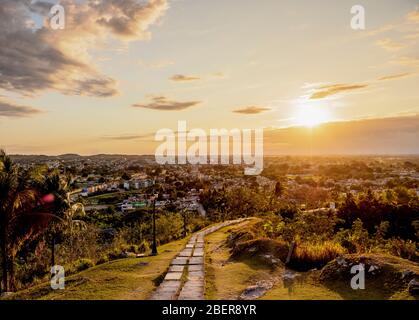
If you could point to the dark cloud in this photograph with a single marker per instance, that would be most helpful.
(128, 18)
(16, 111)
(251, 110)
(329, 90)
(35, 59)
(183, 78)
(102, 87)
(163, 103)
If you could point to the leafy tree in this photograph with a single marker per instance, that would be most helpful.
(126, 176)
(56, 199)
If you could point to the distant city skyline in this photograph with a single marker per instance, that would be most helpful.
(120, 71)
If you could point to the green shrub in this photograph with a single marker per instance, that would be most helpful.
(144, 246)
(116, 254)
(406, 249)
(83, 264)
(103, 259)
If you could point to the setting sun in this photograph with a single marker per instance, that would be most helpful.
(310, 116)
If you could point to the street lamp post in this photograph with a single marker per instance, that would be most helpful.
(154, 247)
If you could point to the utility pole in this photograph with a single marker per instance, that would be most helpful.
(154, 247)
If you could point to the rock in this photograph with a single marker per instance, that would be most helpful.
(256, 291)
(289, 275)
(413, 287)
(6, 294)
(407, 274)
(341, 261)
(373, 268)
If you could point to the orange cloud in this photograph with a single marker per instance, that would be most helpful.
(183, 78)
(393, 135)
(164, 104)
(413, 16)
(251, 110)
(329, 90)
(395, 76)
(390, 45)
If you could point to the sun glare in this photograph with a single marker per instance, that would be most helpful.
(311, 116)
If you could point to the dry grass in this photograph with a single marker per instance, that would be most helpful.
(259, 247)
(308, 256)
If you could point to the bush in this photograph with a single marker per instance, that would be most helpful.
(103, 259)
(259, 247)
(129, 248)
(144, 246)
(83, 264)
(406, 249)
(117, 254)
(307, 256)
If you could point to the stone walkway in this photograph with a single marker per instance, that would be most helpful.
(185, 279)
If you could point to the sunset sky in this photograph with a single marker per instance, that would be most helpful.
(122, 69)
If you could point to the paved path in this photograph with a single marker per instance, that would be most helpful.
(185, 279)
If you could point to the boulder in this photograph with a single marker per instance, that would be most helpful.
(257, 290)
(407, 274)
(413, 287)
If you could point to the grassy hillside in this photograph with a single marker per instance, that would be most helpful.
(131, 278)
(227, 276)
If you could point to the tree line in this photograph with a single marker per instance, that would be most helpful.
(33, 202)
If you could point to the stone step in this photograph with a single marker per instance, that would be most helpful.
(196, 260)
(167, 290)
(195, 267)
(179, 261)
(191, 256)
(185, 253)
(176, 268)
(173, 276)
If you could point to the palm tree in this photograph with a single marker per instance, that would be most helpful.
(56, 198)
(20, 217)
